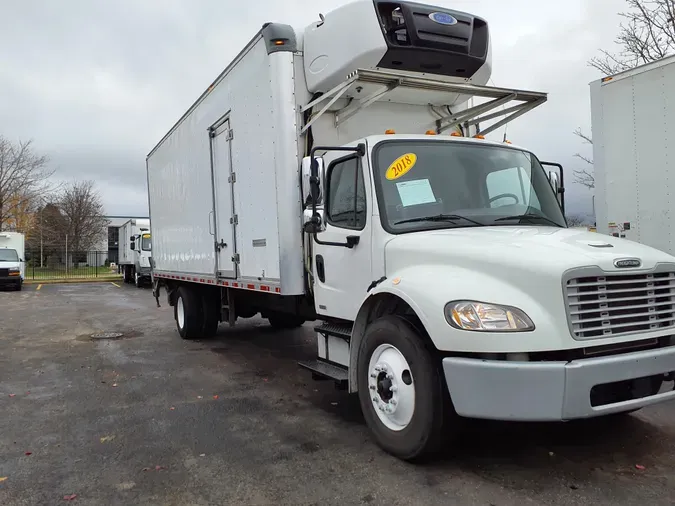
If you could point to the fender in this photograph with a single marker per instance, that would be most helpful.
(428, 288)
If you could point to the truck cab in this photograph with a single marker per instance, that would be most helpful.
(449, 259)
(141, 245)
(12, 266)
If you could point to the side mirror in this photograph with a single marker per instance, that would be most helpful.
(557, 180)
(132, 244)
(306, 180)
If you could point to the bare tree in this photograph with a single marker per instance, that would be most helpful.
(647, 34)
(584, 176)
(574, 220)
(82, 210)
(24, 177)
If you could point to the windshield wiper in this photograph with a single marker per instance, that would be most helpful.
(529, 216)
(440, 217)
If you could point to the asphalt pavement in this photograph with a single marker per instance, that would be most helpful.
(147, 418)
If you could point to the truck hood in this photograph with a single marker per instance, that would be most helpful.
(506, 250)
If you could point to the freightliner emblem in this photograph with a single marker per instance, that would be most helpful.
(625, 263)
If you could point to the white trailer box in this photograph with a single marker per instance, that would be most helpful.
(12, 259)
(633, 119)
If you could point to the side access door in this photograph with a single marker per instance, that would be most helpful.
(342, 252)
(224, 219)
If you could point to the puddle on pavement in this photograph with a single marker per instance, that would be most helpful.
(109, 335)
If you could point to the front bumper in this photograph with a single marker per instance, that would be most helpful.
(144, 271)
(10, 280)
(550, 391)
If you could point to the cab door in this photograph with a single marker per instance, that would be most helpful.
(342, 252)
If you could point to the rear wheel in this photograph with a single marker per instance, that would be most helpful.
(188, 313)
(402, 394)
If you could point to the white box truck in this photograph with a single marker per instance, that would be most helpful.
(336, 174)
(12, 259)
(135, 251)
(633, 120)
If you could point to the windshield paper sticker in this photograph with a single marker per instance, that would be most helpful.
(415, 192)
(400, 166)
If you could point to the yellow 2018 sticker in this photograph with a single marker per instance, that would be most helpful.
(400, 166)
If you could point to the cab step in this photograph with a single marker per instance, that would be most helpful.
(324, 370)
(341, 330)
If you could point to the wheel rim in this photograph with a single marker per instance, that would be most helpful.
(391, 387)
(136, 278)
(180, 312)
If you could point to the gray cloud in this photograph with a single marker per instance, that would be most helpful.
(96, 84)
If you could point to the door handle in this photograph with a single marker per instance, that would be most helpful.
(211, 223)
(352, 240)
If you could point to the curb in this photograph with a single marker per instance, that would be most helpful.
(69, 281)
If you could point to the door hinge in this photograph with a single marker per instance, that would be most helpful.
(232, 178)
(230, 134)
(235, 258)
(234, 220)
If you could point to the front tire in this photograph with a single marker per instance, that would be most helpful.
(401, 391)
(188, 313)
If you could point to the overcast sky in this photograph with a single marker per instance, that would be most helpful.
(96, 83)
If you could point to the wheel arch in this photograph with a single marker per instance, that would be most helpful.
(376, 305)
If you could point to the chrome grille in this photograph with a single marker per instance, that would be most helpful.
(614, 304)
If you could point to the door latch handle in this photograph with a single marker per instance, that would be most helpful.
(220, 245)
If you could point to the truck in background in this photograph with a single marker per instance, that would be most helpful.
(135, 251)
(633, 124)
(340, 174)
(12, 259)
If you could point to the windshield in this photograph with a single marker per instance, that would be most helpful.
(432, 184)
(146, 242)
(8, 255)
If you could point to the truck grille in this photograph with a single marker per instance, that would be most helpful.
(4, 273)
(614, 304)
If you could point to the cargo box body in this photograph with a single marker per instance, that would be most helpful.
(223, 184)
(633, 118)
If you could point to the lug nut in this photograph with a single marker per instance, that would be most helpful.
(393, 388)
(372, 387)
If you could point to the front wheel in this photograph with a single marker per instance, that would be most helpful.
(402, 395)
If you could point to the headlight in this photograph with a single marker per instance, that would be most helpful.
(14, 271)
(483, 317)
